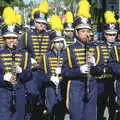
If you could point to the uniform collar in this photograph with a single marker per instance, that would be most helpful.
(10, 50)
(110, 43)
(82, 44)
(54, 53)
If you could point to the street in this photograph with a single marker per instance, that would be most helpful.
(106, 115)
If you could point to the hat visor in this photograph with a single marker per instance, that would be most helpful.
(41, 21)
(58, 39)
(83, 26)
(69, 29)
(111, 31)
(10, 35)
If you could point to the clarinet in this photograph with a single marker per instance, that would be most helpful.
(13, 108)
(87, 81)
(57, 75)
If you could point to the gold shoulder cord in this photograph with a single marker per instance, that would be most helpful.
(69, 57)
(116, 53)
(26, 60)
(98, 54)
(44, 62)
(26, 40)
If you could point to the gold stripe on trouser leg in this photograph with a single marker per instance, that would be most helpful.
(67, 95)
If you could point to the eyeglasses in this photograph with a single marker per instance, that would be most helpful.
(41, 23)
(58, 41)
(69, 30)
(10, 37)
(110, 34)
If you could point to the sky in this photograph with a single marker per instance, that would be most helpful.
(36, 1)
(27, 1)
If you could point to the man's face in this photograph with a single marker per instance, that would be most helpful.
(69, 33)
(95, 37)
(110, 37)
(83, 35)
(11, 42)
(40, 26)
(58, 45)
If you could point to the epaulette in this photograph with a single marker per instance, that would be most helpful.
(72, 46)
(100, 43)
(117, 43)
(92, 43)
(21, 50)
(2, 50)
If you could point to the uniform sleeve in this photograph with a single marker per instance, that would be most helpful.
(41, 65)
(115, 68)
(26, 74)
(114, 65)
(2, 82)
(99, 68)
(71, 73)
(43, 68)
(67, 71)
(1, 74)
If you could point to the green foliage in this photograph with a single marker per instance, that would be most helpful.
(18, 3)
(11, 3)
(4, 3)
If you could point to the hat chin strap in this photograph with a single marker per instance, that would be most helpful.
(56, 51)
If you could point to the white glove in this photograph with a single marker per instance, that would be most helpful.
(85, 69)
(7, 76)
(18, 69)
(58, 70)
(55, 80)
(92, 60)
(33, 61)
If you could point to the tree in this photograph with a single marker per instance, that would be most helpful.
(11, 3)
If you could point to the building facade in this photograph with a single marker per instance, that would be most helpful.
(113, 5)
